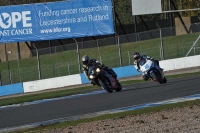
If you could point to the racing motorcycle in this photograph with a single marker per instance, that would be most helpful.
(152, 70)
(103, 79)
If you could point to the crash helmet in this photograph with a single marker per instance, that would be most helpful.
(136, 56)
(85, 59)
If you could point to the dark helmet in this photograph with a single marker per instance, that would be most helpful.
(136, 56)
(85, 59)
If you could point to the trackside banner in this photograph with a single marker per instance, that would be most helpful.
(55, 20)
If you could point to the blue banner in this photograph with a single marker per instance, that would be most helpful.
(55, 20)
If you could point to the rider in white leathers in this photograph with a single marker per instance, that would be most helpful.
(137, 57)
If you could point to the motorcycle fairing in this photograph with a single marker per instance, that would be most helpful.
(148, 66)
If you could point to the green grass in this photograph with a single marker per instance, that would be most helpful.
(66, 63)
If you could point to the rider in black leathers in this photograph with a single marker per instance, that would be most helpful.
(87, 62)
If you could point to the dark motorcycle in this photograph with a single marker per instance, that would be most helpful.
(152, 70)
(103, 79)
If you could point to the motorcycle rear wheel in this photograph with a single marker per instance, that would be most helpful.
(164, 80)
(119, 88)
(156, 76)
(105, 86)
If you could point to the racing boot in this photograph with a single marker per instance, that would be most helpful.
(145, 77)
(92, 82)
(117, 82)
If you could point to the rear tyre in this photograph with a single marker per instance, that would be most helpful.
(106, 86)
(156, 76)
(164, 80)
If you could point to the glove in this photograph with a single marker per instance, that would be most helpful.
(102, 65)
(83, 69)
(150, 58)
(138, 70)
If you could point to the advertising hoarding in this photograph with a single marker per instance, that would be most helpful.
(55, 20)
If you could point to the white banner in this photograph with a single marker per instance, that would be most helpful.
(141, 7)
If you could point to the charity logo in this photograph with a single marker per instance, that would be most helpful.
(146, 66)
(15, 19)
(5, 20)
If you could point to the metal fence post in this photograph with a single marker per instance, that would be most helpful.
(53, 69)
(58, 69)
(0, 79)
(100, 59)
(8, 52)
(98, 50)
(19, 71)
(38, 60)
(129, 58)
(135, 26)
(161, 43)
(119, 46)
(10, 75)
(9, 69)
(78, 52)
(177, 51)
(9, 72)
(68, 68)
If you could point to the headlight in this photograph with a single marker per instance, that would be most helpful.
(97, 70)
(91, 76)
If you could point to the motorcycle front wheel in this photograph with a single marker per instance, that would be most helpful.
(105, 86)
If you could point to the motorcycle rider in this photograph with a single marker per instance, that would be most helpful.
(137, 57)
(87, 62)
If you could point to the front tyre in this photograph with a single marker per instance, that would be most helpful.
(105, 86)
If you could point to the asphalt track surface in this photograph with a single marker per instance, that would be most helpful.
(133, 94)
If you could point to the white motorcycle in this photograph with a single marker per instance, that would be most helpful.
(152, 70)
